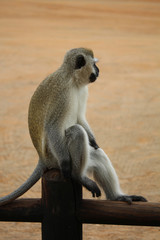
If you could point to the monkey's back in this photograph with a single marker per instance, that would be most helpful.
(46, 102)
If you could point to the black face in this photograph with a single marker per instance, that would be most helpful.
(94, 76)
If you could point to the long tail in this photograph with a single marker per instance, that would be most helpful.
(35, 176)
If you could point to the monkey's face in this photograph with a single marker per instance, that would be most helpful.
(81, 65)
(86, 70)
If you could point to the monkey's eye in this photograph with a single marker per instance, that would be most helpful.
(80, 61)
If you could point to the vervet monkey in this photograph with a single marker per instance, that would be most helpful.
(61, 133)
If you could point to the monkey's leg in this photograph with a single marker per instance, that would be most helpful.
(107, 178)
(58, 148)
(77, 141)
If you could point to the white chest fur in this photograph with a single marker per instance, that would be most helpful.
(77, 105)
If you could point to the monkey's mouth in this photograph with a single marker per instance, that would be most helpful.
(93, 76)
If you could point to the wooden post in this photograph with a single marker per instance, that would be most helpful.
(60, 199)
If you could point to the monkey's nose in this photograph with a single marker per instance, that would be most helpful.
(96, 70)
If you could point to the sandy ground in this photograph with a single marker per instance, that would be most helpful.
(123, 106)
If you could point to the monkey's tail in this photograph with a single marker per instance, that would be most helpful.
(35, 176)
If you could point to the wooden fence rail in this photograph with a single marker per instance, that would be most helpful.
(62, 211)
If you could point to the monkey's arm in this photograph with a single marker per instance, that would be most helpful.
(83, 122)
(58, 148)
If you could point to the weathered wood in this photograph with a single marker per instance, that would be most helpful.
(109, 212)
(62, 210)
(60, 199)
(22, 210)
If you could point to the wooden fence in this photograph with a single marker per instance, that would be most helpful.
(62, 211)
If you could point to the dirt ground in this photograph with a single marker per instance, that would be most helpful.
(123, 106)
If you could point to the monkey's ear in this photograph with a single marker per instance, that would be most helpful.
(80, 61)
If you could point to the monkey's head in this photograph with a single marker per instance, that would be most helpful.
(81, 64)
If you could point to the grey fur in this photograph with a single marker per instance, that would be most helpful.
(49, 107)
(36, 175)
(61, 134)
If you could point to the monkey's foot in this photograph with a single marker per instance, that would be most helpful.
(91, 186)
(131, 198)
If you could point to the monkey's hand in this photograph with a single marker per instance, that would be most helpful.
(91, 137)
(66, 169)
(93, 143)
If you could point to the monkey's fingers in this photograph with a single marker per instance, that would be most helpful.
(130, 199)
(94, 144)
(96, 192)
(93, 194)
(91, 186)
(124, 198)
(138, 198)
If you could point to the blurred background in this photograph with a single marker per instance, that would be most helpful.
(123, 106)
